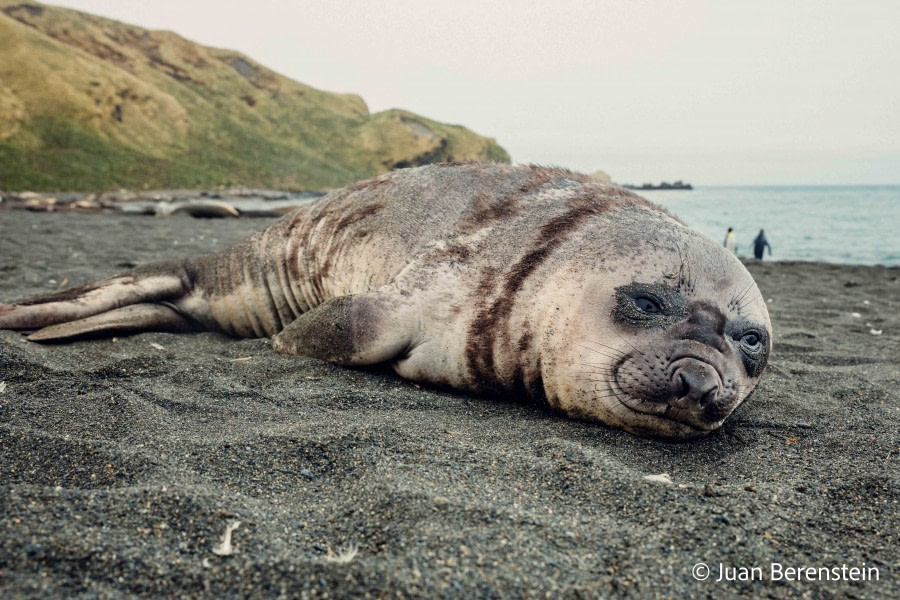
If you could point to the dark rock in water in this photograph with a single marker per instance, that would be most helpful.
(665, 185)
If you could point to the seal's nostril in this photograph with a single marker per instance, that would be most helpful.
(682, 387)
(709, 397)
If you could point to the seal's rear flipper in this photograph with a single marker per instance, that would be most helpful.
(100, 307)
(129, 319)
(361, 329)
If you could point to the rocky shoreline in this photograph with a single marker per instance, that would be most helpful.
(157, 202)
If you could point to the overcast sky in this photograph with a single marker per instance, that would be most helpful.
(715, 92)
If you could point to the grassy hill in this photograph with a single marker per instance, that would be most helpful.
(88, 103)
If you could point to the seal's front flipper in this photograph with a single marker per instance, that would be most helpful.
(361, 329)
(98, 308)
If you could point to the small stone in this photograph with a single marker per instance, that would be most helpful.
(660, 478)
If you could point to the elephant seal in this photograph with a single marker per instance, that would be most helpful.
(200, 209)
(524, 281)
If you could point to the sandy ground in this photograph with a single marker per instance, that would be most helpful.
(122, 462)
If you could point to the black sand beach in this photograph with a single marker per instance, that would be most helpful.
(122, 461)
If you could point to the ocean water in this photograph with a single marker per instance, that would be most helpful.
(841, 224)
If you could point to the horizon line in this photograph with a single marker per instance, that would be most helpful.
(763, 185)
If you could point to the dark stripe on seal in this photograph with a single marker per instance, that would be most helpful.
(278, 253)
(351, 217)
(489, 324)
(247, 294)
(486, 210)
(271, 302)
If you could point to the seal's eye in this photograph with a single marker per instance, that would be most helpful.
(751, 341)
(647, 305)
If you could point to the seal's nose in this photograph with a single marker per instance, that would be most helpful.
(696, 385)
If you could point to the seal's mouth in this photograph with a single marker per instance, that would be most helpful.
(677, 409)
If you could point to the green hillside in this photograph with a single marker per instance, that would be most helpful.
(88, 103)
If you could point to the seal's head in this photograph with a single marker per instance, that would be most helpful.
(666, 337)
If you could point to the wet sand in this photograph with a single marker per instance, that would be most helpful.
(122, 461)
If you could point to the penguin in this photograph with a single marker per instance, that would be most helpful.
(760, 244)
(731, 241)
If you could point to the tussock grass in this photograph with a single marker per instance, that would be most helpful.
(88, 103)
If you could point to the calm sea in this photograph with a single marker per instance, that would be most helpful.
(854, 225)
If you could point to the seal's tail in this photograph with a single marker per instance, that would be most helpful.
(138, 301)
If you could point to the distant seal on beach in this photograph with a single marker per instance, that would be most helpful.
(526, 281)
(201, 209)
